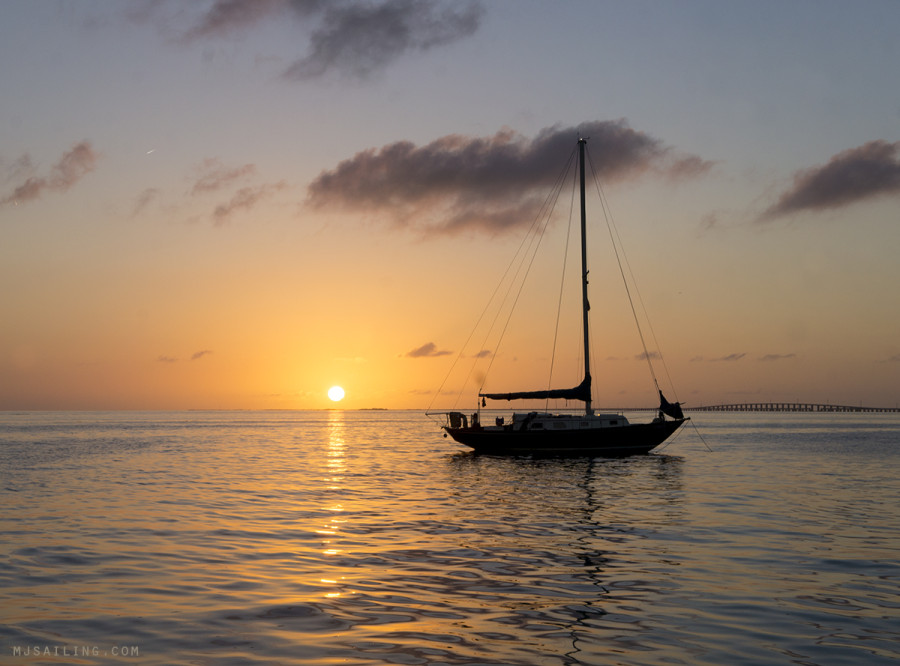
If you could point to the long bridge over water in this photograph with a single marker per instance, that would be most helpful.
(788, 407)
(770, 407)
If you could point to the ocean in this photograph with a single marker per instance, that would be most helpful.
(365, 537)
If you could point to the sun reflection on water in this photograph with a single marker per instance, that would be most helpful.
(335, 472)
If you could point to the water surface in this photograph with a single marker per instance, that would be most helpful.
(367, 538)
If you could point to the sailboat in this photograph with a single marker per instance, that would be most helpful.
(588, 433)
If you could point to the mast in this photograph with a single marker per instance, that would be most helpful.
(585, 306)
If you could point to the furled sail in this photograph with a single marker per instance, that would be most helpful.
(580, 392)
(670, 408)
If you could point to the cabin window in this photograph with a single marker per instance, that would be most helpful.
(537, 426)
(584, 424)
(614, 422)
(559, 426)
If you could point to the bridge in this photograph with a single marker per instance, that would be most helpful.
(787, 407)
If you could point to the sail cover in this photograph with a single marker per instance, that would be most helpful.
(580, 392)
(670, 408)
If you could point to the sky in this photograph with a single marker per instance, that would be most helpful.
(228, 204)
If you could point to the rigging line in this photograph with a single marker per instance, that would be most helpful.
(562, 282)
(549, 205)
(478, 323)
(671, 439)
(528, 240)
(649, 321)
(610, 225)
(697, 430)
(621, 245)
(515, 257)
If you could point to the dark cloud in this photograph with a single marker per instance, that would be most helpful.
(357, 38)
(200, 354)
(244, 199)
(643, 356)
(72, 167)
(429, 349)
(776, 357)
(854, 175)
(458, 182)
(212, 175)
(351, 37)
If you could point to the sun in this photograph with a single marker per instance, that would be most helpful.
(336, 393)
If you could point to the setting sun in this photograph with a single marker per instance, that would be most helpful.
(336, 393)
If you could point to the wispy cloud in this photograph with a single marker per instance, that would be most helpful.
(200, 354)
(486, 183)
(210, 180)
(728, 358)
(353, 38)
(244, 199)
(212, 175)
(71, 167)
(776, 357)
(854, 175)
(643, 356)
(226, 17)
(144, 199)
(167, 359)
(429, 349)
(19, 170)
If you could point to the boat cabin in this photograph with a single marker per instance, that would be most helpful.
(541, 421)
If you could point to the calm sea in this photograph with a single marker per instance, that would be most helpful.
(341, 537)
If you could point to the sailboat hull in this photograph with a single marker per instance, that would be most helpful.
(608, 442)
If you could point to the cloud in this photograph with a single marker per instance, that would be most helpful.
(225, 17)
(212, 175)
(200, 354)
(485, 183)
(729, 357)
(71, 167)
(167, 359)
(854, 175)
(20, 169)
(357, 38)
(643, 356)
(213, 178)
(428, 350)
(351, 359)
(351, 37)
(776, 357)
(144, 199)
(244, 199)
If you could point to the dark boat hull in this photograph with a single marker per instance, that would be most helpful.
(609, 442)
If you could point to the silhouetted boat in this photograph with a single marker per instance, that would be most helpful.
(545, 433)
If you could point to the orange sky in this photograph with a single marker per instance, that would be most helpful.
(223, 215)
